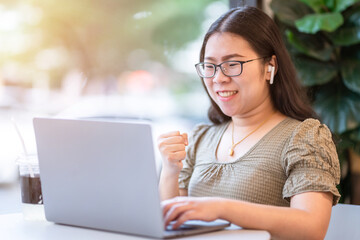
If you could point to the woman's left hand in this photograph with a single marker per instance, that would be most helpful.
(181, 209)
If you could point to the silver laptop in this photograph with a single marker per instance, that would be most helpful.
(102, 175)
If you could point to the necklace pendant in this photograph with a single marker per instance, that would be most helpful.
(231, 151)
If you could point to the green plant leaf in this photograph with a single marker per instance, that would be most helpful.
(340, 5)
(350, 71)
(346, 36)
(338, 107)
(311, 45)
(316, 5)
(312, 72)
(330, 5)
(349, 33)
(313, 23)
(289, 11)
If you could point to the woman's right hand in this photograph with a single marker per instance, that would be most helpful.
(172, 148)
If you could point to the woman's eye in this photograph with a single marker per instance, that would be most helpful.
(209, 66)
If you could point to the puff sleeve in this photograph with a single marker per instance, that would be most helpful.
(189, 162)
(310, 161)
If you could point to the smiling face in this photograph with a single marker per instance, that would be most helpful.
(241, 95)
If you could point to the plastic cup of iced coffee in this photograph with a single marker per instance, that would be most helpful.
(30, 184)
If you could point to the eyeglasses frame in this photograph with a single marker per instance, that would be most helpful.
(219, 66)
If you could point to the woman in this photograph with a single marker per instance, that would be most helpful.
(265, 162)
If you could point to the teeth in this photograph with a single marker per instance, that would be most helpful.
(227, 94)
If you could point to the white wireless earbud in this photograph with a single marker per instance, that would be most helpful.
(272, 70)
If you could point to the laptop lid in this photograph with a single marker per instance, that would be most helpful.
(99, 174)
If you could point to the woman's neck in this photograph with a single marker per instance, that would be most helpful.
(254, 117)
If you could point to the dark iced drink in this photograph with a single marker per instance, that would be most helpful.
(31, 189)
(30, 184)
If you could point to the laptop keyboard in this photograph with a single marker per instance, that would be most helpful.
(189, 225)
(182, 227)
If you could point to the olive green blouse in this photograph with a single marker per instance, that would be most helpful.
(293, 158)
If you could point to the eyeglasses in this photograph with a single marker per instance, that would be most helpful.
(229, 68)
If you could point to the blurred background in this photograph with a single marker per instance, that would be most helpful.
(135, 59)
(102, 59)
(111, 58)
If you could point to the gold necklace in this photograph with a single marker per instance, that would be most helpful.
(231, 149)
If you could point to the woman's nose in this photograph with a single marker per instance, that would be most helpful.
(220, 77)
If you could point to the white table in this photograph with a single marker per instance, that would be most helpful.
(12, 226)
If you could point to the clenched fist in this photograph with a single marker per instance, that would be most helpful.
(172, 149)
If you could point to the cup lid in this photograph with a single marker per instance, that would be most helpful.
(27, 159)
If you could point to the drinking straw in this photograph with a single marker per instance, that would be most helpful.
(24, 149)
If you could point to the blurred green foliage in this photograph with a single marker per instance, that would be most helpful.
(323, 38)
(99, 37)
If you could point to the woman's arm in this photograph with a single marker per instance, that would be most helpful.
(169, 186)
(307, 218)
